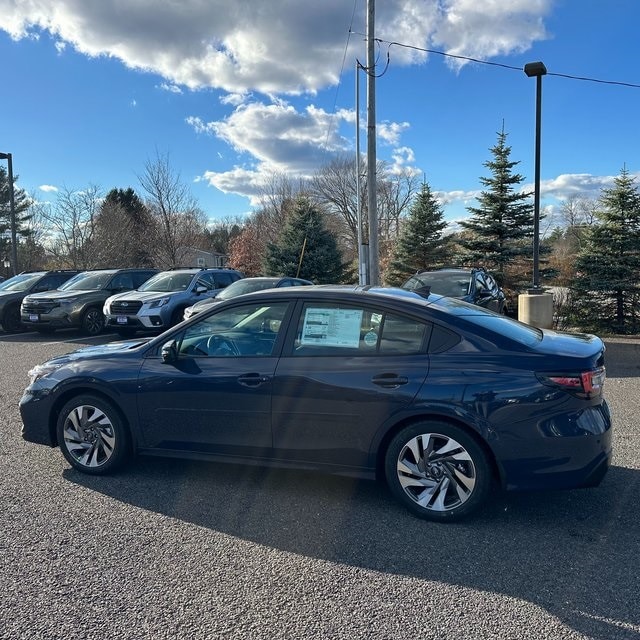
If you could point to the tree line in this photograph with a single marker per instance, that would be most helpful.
(309, 228)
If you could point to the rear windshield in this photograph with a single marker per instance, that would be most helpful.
(443, 284)
(507, 327)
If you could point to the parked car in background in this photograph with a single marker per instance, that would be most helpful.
(246, 285)
(439, 397)
(471, 285)
(14, 290)
(78, 302)
(160, 302)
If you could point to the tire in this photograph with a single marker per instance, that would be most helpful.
(450, 482)
(92, 322)
(177, 316)
(92, 435)
(11, 319)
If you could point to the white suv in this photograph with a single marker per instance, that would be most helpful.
(160, 302)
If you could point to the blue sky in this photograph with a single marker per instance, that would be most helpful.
(233, 92)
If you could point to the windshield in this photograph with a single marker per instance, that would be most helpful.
(88, 281)
(246, 286)
(168, 281)
(444, 284)
(20, 282)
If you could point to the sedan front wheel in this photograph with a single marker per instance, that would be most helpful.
(438, 471)
(92, 436)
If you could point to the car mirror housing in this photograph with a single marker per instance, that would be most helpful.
(169, 352)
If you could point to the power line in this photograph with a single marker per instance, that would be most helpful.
(504, 66)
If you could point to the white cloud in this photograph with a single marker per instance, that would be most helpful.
(271, 47)
(390, 132)
(170, 87)
(48, 188)
(277, 137)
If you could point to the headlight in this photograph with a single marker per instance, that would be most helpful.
(68, 300)
(154, 304)
(41, 371)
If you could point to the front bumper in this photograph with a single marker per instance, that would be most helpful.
(36, 411)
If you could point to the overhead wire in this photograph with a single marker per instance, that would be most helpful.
(390, 44)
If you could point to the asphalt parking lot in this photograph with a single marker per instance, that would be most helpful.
(175, 549)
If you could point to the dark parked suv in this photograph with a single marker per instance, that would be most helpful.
(78, 302)
(471, 285)
(13, 291)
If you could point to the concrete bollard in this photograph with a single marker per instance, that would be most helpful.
(536, 309)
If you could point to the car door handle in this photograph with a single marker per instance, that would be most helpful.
(252, 379)
(389, 380)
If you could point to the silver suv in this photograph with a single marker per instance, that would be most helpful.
(160, 302)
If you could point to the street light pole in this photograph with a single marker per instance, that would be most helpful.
(12, 212)
(537, 70)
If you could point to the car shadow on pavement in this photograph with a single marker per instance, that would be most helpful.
(574, 553)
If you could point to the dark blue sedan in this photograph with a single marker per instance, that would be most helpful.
(441, 398)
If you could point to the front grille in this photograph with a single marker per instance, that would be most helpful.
(39, 306)
(125, 307)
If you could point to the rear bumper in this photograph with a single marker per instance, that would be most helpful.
(562, 462)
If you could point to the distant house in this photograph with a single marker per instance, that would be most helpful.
(198, 258)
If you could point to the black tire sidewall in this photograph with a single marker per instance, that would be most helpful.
(480, 461)
(11, 319)
(122, 446)
(86, 315)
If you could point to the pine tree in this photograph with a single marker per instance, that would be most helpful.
(608, 266)
(21, 204)
(501, 228)
(305, 248)
(421, 245)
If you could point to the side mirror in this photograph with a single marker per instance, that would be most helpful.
(169, 352)
(200, 289)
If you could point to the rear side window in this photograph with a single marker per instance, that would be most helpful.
(344, 330)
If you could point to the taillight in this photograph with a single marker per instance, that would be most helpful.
(587, 383)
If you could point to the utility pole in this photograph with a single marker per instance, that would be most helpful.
(363, 247)
(372, 205)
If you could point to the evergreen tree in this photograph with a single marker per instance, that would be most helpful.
(124, 230)
(420, 245)
(305, 248)
(501, 228)
(21, 204)
(608, 266)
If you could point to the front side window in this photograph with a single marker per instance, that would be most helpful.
(328, 329)
(242, 331)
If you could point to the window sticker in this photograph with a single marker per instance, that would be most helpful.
(332, 327)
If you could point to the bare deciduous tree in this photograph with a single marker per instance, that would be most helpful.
(178, 222)
(67, 227)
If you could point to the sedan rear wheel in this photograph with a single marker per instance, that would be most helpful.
(438, 471)
(92, 436)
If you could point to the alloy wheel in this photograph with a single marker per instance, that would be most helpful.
(436, 472)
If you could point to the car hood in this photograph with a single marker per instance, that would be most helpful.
(206, 303)
(60, 295)
(142, 296)
(101, 350)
